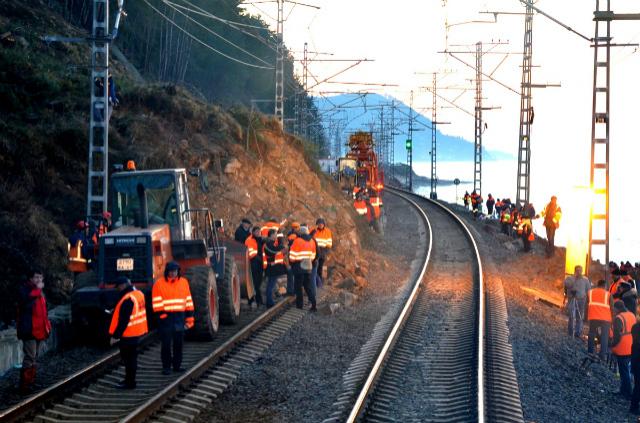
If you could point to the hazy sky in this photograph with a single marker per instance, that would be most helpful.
(405, 36)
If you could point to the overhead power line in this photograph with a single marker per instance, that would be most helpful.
(199, 41)
(209, 30)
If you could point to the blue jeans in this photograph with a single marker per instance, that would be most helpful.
(576, 308)
(603, 327)
(271, 283)
(624, 368)
(290, 287)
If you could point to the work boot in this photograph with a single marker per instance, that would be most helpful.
(27, 376)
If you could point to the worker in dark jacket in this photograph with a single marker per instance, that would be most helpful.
(635, 369)
(243, 231)
(628, 295)
(274, 263)
(33, 326)
(490, 203)
(128, 325)
(324, 242)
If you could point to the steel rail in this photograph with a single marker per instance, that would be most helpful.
(66, 385)
(148, 408)
(395, 331)
(376, 370)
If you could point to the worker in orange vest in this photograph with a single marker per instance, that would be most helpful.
(173, 303)
(621, 345)
(599, 316)
(272, 224)
(635, 369)
(254, 244)
(552, 214)
(324, 240)
(128, 325)
(293, 234)
(301, 256)
(616, 280)
(360, 205)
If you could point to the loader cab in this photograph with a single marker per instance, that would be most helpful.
(167, 200)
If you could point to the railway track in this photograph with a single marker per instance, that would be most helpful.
(90, 395)
(445, 356)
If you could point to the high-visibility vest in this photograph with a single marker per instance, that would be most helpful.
(323, 237)
(291, 237)
(506, 217)
(623, 347)
(278, 258)
(360, 206)
(264, 231)
(170, 297)
(599, 308)
(137, 325)
(252, 245)
(614, 287)
(77, 263)
(302, 249)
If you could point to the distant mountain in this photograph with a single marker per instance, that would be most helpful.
(362, 112)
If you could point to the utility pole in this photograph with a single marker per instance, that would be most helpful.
(410, 145)
(600, 121)
(392, 156)
(305, 81)
(279, 107)
(433, 194)
(98, 157)
(477, 156)
(526, 114)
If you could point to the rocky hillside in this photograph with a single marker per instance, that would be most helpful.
(257, 173)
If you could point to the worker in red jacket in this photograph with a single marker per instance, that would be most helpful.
(33, 326)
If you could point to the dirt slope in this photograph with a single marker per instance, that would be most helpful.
(43, 147)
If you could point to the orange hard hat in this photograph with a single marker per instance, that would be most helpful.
(295, 225)
(131, 165)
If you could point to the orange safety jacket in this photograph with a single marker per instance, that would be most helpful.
(623, 347)
(173, 296)
(614, 286)
(137, 325)
(323, 237)
(77, 263)
(252, 245)
(599, 307)
(277, 259)
(302, 249)
(360, 206)
(264, 231)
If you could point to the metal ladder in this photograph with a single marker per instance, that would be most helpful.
(524, 149)
(599, 178)
(477, 166)
(98, 163)
(279, 108)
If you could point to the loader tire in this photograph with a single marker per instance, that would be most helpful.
(202, 283)
(229, 292)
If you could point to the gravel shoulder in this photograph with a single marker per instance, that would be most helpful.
(300, 376)
(553, 385)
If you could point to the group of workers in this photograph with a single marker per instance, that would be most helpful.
(300, 254)
(517, 220)
(367, 202)
(83, 243)
(612, 316)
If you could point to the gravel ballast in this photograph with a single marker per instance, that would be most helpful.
(299, 378)
(553, 385)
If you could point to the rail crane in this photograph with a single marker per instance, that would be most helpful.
(358, 171)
